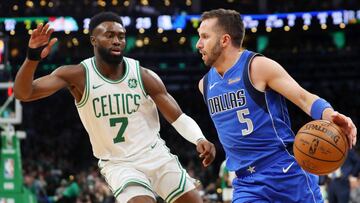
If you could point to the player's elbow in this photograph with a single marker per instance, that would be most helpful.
(21, 95)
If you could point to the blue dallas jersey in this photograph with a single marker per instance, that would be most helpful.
(252, 126)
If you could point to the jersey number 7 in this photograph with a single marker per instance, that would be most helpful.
(124, 123)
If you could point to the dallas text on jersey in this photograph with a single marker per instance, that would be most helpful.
(227, 101)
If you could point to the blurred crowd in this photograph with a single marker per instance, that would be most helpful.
(148, 7)
(124, 7)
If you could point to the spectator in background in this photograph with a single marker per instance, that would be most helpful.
(355, 189)
(72, 191)
(226, 178)
(339, 186)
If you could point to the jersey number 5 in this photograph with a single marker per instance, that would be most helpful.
(241, 116)
(124, 123)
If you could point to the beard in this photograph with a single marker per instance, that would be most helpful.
(213, 55)
(110, 58)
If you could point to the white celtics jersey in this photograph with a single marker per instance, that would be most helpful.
(120, 118)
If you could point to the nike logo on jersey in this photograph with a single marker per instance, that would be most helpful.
(153, 146)
(213, 85)
(285, 170)
(97, 86)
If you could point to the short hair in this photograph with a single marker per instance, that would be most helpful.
(102, 17)
(230, 21)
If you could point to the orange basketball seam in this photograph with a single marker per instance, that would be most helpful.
(343, 153)
(318, 172)
(314, 157)
(341, 133)
(332, 125)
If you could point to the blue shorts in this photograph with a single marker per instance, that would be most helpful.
(283, 181)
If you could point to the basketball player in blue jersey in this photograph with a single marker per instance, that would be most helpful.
(117, 101)
(245, 94)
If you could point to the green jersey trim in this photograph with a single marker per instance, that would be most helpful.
(84, 99)
(179, 190)
(181, 187)
(140, 78)
(132, 182)
(127, 67)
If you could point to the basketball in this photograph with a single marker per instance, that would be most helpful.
(320, 147)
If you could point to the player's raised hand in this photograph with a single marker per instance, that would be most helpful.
(207, 151)
(40, 38)
(347, 126)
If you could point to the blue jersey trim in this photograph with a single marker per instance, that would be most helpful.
(256, 95)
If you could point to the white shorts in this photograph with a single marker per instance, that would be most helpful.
(157, 170)
(227, 194)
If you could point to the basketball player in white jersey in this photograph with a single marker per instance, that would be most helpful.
(117, 101)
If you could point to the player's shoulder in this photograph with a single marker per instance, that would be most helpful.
(263, 64)
(148, 74)
(260, 60)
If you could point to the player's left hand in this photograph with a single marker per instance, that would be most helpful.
(41, 37)
(346, 125)
(207, 151)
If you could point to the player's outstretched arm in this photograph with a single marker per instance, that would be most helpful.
(170, 109)
(39, 46)
(266, 73)
(27, 89)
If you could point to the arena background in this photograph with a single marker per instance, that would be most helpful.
(317, 42)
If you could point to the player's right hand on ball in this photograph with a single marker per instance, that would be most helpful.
(40, 37)
(346, 125)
